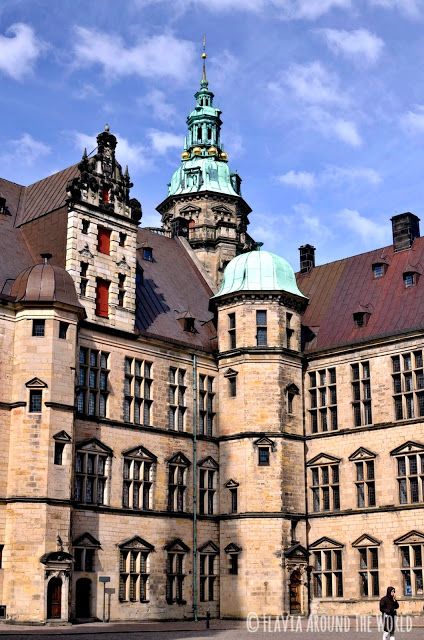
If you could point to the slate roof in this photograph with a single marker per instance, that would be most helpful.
(172, 288)
(339, 289)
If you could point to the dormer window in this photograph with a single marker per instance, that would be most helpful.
(360, 318)
(410, 279)
(148, 254)
(189, 324)
(2, 204)
(379, 269)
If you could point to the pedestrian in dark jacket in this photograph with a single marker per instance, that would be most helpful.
(388, 606)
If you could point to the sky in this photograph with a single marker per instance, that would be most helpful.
(322, 103)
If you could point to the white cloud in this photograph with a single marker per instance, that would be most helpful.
(163, 141)
(158, 103)
(234, 144)
(134, 155)
(316, 228)
(413, 121)
(313, 84)
(359, 45)
(86, 91)
(410, 8)
(309, 9)
(19, 50)
(368, 230)
(25, 150)
(298, 179)
(332, 125)
(224, 68)
(161, 55)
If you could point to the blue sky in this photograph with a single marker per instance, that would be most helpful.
(322, 100)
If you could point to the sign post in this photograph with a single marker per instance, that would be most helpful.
(104, 579)
(109, 591)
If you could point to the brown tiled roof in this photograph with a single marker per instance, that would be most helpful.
(339, 289)
(172, 288)
(45, 195)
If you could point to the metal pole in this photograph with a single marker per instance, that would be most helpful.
(194, 358)
(104, 601)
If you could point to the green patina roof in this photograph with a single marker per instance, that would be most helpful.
(202, 174)
(259, 271)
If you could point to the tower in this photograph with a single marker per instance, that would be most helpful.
(204, 202)
(262, 494)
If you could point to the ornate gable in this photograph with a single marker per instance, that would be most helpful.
(36, 383)
(366, 541)
(230, 373)
(208, 463)
(62, 436)
(208, 547)
(177, 545)
(86, 540)
(362, 454)
(188, 210)
(232, 548)
(179, 458)
(412, 537)
(296, 552)
(265, 442)
(231, 484)
(136, 543)
(292, 388)
(325, 543)
(140, 452)
(94, 445)
(408, 447)
(323, 458)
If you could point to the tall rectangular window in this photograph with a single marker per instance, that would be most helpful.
(365, 483)
(232, 337)
(176, 396)
(83, 278)
(208, 576)
(177, 487)
(90, 477)
(412, 569)
(234, 505)
(137, 484)
(328, 574)
(134, 573)
(408, 385)
(325, 488)
(138, 392)
(206, 404)
(207, 491)
(323, 400)
(103, 240)
(361, 394)
(35, 401)
(175, 578)
(410, 477)
(102, 298)
(93, 385)
(261, 329)
(368, 572)
(121, 289)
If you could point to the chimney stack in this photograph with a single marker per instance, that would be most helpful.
(307, 258)
(406, 227)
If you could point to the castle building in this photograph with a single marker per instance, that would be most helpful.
(188, 426)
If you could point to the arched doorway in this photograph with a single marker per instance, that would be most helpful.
(82, 598)
(54, 599)
(295, 592)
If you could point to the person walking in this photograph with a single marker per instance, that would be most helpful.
(388, 606)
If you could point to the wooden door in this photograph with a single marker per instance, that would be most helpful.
(295, 592)
(54, 599)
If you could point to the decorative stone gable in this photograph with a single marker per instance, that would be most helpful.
(366, 541)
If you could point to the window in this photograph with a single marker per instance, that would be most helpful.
(38, 327)
(58, 452)
(261, 329)
(103, 240)
(232, 386)
(323, 400)
(361, 394)
(327, 573)
(35, 400)
(2, 204)
(63, 330)
(84, 279)
(1, 555)
(408, 385)
(177, 482)
(84, 559)
(85, 226)
(412, 569)
(233, 551)
(134, 570)
(232, 337)
(90, 473)
(365, 483)
(206, 404)
(138, 398)
(291, 392)
(410, 477)
(289, 331)
(368, 572)
(175, 572)
(208, 575)
(102, 298)
(176, 395)
(263, 456)
(207, 486)
(325, 487)
(121, 289)
(410, 279)
(379, 269)
(189, 324)
(138, 479)
(148, 254)
(122, 239)
(234, 506)
(93, 387)
(360, 318)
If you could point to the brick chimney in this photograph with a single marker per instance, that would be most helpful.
(406, 227)
(307, 258)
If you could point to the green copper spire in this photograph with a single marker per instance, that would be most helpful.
(204, 164)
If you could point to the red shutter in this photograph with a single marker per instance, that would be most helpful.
(102, 298)
(103, 240)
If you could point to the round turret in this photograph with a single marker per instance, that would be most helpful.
(46, 283)
(259, 271)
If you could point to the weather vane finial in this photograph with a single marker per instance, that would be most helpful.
(204, 81)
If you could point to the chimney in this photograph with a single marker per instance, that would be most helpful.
(307, 258)
(406, 227)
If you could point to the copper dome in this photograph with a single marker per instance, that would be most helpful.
(45, 283)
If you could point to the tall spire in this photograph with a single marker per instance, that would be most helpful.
(204, 80)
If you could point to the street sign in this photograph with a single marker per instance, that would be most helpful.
(110, 591)
(104, 579)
